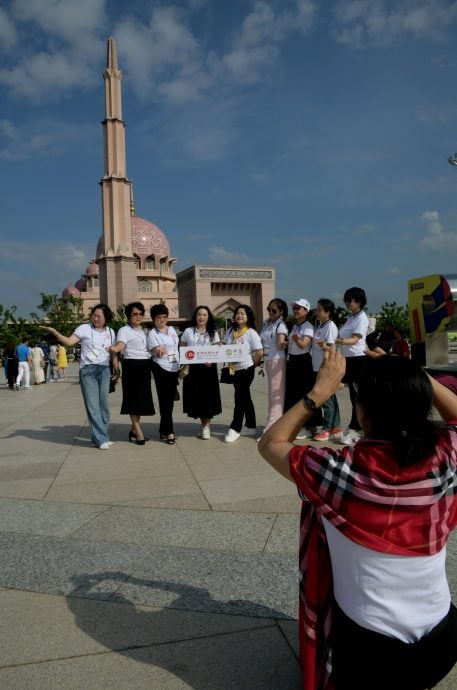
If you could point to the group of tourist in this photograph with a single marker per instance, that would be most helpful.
(291, 364)
(25, 365)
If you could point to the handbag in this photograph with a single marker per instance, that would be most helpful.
(183, 371)
(226, 376)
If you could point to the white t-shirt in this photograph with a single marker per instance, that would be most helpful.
(399, 596)
(303, 329)
(170, 360)
(268, 335)
(94, 344)
(135, 341)
(252, 338)
(325, 331)
(357, 324)
(192, 337)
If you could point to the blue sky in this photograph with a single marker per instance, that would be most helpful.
(312, 136)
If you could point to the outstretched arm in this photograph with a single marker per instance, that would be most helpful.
(68, 341)
(276, 443)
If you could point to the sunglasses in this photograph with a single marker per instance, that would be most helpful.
(137, 313)
(271, 310)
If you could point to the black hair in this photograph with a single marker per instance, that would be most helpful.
(210, 325)
(357, 294)
(397, 398)
(329, 307)
(107, 313)
(131, 306)
(282, 306)
(249, 314)
(158, 310)
(24, 339)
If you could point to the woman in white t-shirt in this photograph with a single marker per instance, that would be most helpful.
(299, 368)
(243, 332)
(325, 335)
(136, 371)
(200, 392)
(352, 338)
(274, 340)
(94, 370)
(164, 344)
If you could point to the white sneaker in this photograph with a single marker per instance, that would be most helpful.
(206, 433)
(305, 433)
(248, 431)
(231, 436)
(104, 446)
(27, 388)
(110, 443)
(349, 437)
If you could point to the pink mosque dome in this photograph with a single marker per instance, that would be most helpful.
(147, 239)
(80, 285)
(93, 268)
(71, 291)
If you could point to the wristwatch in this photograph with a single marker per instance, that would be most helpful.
(310, 404)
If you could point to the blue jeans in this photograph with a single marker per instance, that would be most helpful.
(94, 380)
(331, 414)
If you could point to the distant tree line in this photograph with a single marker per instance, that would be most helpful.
(64, 314)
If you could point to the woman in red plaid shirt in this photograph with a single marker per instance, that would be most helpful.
(375, 607)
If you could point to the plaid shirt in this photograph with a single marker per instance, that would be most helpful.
(375, 502)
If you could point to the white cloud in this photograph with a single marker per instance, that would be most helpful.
(436, 239)
(360, 23)
(394, 271)
(67, 20)
(59, 47)
(8, 34)
(223, 256)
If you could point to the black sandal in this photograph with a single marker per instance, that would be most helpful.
(171, 441)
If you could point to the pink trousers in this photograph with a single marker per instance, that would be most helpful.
(275, 370)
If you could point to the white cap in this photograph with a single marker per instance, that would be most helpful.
(302, 302)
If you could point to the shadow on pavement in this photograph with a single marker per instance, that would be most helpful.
(204, 650)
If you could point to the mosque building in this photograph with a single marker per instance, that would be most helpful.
(133, 261)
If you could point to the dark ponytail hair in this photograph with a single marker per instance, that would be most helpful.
(397, 398)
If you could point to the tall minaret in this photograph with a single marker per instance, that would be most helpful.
(118, 282)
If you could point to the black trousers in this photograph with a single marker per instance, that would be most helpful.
(367, 660)
(354, 366)
(166, 383)
(244, 407)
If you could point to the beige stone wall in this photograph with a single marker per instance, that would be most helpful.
(222, 288)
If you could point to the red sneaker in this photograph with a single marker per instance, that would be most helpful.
(321, 435)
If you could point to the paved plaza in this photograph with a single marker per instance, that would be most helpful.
(159, 566)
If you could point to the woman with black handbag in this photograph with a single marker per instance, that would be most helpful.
(136, 371)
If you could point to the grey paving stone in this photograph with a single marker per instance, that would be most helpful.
(189, 579)
(106, 491)
(250, 660)
(27, 470)
(273, 504)
(58, 566)
(38, 517)
(188, 502)
(190, 529)
(201, 580)
(284, 537)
